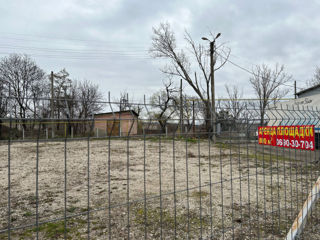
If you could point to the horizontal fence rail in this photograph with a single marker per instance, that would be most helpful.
(138, 172)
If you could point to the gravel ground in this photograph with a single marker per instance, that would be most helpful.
(254, 194)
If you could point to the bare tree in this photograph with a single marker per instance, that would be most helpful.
(235, 105)
(267, 84)
(23, 76)
(198, 76)
(3, 104)
(90, 99)
(165, 102)
(62, 91)
(191, 110)
(316, 78)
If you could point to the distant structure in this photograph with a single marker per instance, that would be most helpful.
(307, 99)
(116, 123)
(315, 90)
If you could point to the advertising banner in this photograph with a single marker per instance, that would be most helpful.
(296, 137)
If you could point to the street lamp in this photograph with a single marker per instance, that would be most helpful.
(213, 111)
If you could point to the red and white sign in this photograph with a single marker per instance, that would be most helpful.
(296, 137)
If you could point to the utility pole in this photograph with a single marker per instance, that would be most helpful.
(181, 109)
(193, 118)
(213, 105)
(52, 107)
(295, 89)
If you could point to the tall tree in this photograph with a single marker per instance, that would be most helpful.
(3, 104)
(267, 84)
(90, 98)
(62, 90)
(24, 78)
(195, 70)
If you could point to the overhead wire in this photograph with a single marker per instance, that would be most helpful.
(247, 70)
(95, 54)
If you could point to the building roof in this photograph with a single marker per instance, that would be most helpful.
(118, 112)
(308, 89)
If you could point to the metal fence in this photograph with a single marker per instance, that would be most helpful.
(155, 184)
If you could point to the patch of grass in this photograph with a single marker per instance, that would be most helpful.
(177, 138)
(224, 145)
(197, 194)
(154, 216)
(52, 230)
(27, 214)
(72, 209)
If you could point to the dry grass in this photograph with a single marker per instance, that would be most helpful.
(246, 188)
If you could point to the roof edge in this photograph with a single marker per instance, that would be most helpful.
(308, 89)
(126, 111)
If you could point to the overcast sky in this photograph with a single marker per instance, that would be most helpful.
(107, 41)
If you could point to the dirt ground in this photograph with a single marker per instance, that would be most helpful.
(206, 191)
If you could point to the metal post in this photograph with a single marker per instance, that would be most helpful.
(181, 109)
(46, 133)
(71, 132)
(295, 89)
(97, 132)
(22, 133)
(51, 102)
(213, 106)
(193, 118)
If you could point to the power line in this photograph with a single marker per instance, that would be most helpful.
(246, 70)
(40, 37)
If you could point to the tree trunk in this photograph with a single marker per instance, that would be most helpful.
(208, 120)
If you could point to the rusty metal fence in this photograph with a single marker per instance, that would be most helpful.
(167, 180)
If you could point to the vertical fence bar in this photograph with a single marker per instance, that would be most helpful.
(257, 190)
(264, 189)
(200, 190)
(210, 189)
(128, 191)
(278, 187)
(187, 183)
(144, 187)
(271, 189)
(248, 175)
(174, 185)
(37, 182)
(9, 170)
(231, 183)
(88, 185)
(109, 168)
(160, 187)
(109, 187)
(240, 179)
(65, 188)
(221, 188)
(291, 196)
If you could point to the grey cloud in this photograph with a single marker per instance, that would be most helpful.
(256, 31)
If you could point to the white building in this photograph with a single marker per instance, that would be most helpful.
(305, 110)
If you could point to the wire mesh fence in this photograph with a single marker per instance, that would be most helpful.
(131, 174)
